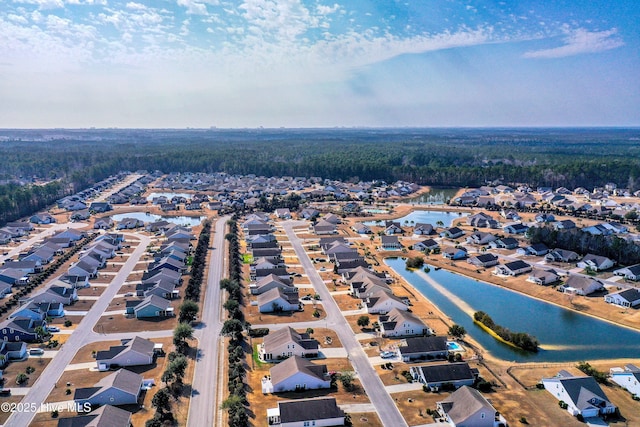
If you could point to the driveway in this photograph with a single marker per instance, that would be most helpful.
(374, 388)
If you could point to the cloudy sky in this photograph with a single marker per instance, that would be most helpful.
(319, 63)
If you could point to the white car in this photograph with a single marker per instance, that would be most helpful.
(387, 354)
(53, 329)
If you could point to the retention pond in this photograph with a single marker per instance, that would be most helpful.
(564, 335)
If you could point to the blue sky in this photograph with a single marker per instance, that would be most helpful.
(317, 63)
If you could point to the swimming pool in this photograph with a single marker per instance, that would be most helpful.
(454, 346)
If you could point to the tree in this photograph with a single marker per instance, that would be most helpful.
(457, 331)
(188, 311)
(178, 367)
(346, 378)
(363, 321)
(310, 331)
(21, 378)
(181, 334)
(160, 400)
(232, 328)
(40, 332)
(168, 376)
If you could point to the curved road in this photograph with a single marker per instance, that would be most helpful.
(385, 406)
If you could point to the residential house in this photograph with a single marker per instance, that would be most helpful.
(581, 285)
(269, 282)
(583, 395)
(390, 243)
(38, 311)
(131, 352)
(467, 407)
(381, 302)
(596, 262)
(277, 300)
(105, 223)
(26, 267)
(283, 213)
(104, 416)
(513, 268)
(481, 238)
(62, 294)
(129, 224)
(11, 350)
(296, 374)
(162, 288)
(504, 243)
(427, 245)
(42, 218)
(631, 273)
(566, 224)
(391, 228)
(561, 255)
(361, 228)
(453, 374)
(286, 342)
(401, 323)
(151, 306)
(424, 348)
(317, 412)
(21, 329)
(100, 207)
(628, 378)
(422, 229)
(515, 228)
(454, 253)
(452, 233)
(119, 388)
(543, 277)
(537, 249)
(324, 227)
(332, 218)
(544, 217)
(624, 298)
(483, 260)
(482, 220)
(42, 255)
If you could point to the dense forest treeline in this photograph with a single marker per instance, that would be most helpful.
(624, 252)
(443, 157)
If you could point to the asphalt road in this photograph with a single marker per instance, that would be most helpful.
(374, 388)
(82, 335)
(204, 408)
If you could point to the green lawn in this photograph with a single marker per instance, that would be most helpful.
(247, 258)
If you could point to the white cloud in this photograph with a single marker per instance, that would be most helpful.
(18, 19)
(580, 41)
(197, 7)
(327, 10)
(135, 6)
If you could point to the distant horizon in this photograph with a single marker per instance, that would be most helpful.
(605, 127)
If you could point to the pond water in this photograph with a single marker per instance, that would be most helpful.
(428, 217)
(168, 195)
(564, 335)
(435, 196)
(187, 221)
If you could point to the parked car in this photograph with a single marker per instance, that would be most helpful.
(387, 354)
(53, 329)
(5, 392)
(36, 351)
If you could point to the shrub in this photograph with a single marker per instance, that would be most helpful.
(67, 323)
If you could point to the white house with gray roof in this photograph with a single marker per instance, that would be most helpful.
(119, 388)
(624, 298)
(467, 407)
(296, 374)
(628, 378)
(583, 395)
(132, 352)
